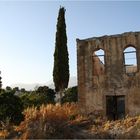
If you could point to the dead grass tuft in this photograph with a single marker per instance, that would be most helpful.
(51, 121)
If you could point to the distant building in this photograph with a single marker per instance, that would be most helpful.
(111, 87)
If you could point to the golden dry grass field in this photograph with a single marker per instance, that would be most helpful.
(63, 121)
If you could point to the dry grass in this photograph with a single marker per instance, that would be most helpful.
(126, 128)
(62, 122)
(6, 129)
(48, 121)
(3, 134)
(51, 121)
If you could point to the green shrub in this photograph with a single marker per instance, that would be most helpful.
(11, 108)
(43, 95)
(70, 95)
(46, 92)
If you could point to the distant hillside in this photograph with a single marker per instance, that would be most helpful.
(72, 82)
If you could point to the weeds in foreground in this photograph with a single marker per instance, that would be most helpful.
(51, 121)
(63, 121)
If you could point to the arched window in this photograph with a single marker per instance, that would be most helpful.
(130, 60)
(98, 62)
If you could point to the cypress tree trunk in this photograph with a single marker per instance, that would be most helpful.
(61, 60)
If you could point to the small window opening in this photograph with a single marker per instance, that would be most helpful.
(130, 62)
(98, 62)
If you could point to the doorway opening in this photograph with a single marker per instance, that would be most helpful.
(115, 107)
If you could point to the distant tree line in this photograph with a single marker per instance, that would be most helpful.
(14, 100)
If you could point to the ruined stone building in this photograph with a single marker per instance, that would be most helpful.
(109, 81)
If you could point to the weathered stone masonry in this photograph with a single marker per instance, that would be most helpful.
(92, 89)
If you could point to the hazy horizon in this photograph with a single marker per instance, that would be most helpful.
(50, 84)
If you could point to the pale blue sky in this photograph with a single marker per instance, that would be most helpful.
(27, 33)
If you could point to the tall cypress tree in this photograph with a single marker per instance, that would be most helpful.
(61, 58)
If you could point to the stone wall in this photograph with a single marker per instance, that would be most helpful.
(93, 89)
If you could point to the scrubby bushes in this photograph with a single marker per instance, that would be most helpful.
(63, 121)
(43, 95)
(47, 121)
(11, 108)
(51, 121)
(70, 95)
